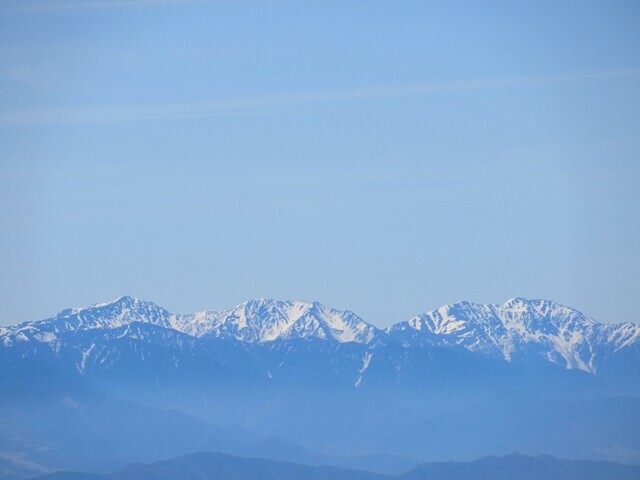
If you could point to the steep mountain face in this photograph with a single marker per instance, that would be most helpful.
(262, 320)
(520, 329)
(268, 320)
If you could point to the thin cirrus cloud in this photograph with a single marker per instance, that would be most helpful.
(34, 7)
(278, 103)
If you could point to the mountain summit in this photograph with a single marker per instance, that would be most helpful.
(519, 329)
(265, 320)
(102, 316)
(261, 320)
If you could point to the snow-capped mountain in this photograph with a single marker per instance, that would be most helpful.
(539, 331)
(103, 316)
(520, 329)
(265, 320)
(261, 320)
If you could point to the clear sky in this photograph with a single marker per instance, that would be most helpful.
(387, 157)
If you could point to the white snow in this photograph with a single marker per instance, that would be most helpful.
(521, 328)
(85, 356)
(366, 360)
(266, 320)
(45, 337)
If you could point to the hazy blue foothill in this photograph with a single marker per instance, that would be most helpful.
(215, 466)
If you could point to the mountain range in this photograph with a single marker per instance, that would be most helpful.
(456, 383)
(519, 329)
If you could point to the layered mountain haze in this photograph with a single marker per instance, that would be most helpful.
(227, 467)
(325, 382)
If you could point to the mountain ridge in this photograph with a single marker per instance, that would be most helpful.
(535, 330)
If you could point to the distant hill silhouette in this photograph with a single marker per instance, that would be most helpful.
(215, 466)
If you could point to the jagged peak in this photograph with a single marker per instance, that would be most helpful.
(515, 303)
(122, 300)
(518, 300)
(518, 327)
(533, 302)
(266, 319)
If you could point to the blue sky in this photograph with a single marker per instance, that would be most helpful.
(386, 157)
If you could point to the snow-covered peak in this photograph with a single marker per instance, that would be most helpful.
(519, 328)
(260, 320)
(265, 320)
(119, 312)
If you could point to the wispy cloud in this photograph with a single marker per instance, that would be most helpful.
(280, 103)
(30, 6)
